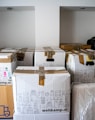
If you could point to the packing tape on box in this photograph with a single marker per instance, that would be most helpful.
(21, 54)
(37, 71)
(41, 76)
(81, 57)
(89, 57)
(30, 50)
(74, 46)
(49, 52)
(89, 53)
(70, 46)
(23, 50)
(85, 47)
(66, 47)
(41, 73)
(7, 60)
(67, 55)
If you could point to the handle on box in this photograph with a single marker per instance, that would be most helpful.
(50, 60)
(90, 63)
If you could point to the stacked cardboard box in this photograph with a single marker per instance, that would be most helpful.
(6, 101)
(41, 93)
(81, 67)
(8, 63)
(25, 57)
(49, 56)
(74, 46)
(9, 50)
(7, 66)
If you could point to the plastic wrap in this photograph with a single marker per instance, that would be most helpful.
(83, 102)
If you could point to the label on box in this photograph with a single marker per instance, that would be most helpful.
(42, 101)
(5, 75)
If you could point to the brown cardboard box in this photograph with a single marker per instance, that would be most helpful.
(72, 46)
(6, 101)
(85, 46)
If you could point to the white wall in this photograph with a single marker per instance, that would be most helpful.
(47, 23)
(18, 2)
(34, 2)
(17, 28)
(77, 26)
(46, 19)
(90, 3)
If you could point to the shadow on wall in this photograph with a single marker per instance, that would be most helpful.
(66, 26)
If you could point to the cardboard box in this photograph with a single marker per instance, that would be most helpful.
(7, 66)
(41, 90)
(56, 116)
(81, 67)
(70, 46)
(92, 52)
(9, 50)
(74, 46)
(48, 56)
(83, 102)
(85, 46)
(25, 57)
(6, 101)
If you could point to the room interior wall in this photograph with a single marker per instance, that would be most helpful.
(78, 3)
(76, 26)
(46, 19)
(17, 27)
